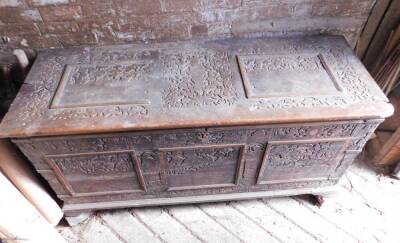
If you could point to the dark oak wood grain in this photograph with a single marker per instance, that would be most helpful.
(188, 122)
(193, 84)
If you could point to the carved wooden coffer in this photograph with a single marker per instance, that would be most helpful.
(185, 122)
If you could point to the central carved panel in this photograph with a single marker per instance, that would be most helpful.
(99, 85)
(202, 166)
(266, 76)
(202, 78)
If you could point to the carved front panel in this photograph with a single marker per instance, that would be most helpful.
(98, 173)
(286, 161)
(202, 166)
(200, 161)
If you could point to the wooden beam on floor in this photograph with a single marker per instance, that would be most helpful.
(20, 220)
(13, 165)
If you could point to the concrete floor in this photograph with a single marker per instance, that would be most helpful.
(365, 209)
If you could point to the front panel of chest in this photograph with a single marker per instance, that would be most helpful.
(204, 161)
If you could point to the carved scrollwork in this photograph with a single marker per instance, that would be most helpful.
(184, 162)
(324, 131)
(302, 155)
(99, 164)
(91, 144)
(42, 90)
(363, 133)
(281, 62)
(299, 184)
(99, 112)
(106, 74)
(200, 78)
(191, 161)
(341, 68)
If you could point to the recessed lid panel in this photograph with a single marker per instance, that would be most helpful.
(193, 84)
(292, 75)
(102, 85)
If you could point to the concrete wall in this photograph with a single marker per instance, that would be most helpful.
(58, 23)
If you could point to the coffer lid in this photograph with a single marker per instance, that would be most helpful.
(193, 84)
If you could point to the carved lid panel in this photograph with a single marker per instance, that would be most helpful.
(266, 76)
(193, 84)
(103, 85)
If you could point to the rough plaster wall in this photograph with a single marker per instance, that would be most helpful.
(58, 23)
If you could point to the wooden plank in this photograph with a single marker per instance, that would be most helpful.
(237, 223)
(371, 27)
(20, 220)
(384, 202)
(273, 222)
(388, 23)
(390, 152)
(312, 222)
(128, 227)
(193, 199)
(332, 212)
(69, 235)
(377, 225)
(16, 168)
(385, 183)
(165, 226)
(96, 232)
(202, 224)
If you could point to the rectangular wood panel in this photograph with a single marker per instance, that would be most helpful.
(202, 166)
(300, 160)
(98, 173)
(307, 74)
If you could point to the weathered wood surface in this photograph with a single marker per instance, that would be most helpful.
(363, 210)
(20, 221)
(246, 118)
(193, 84)
(389, 152)
(183, 166)
(18, 171)
(371, 27)
(388, 23)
